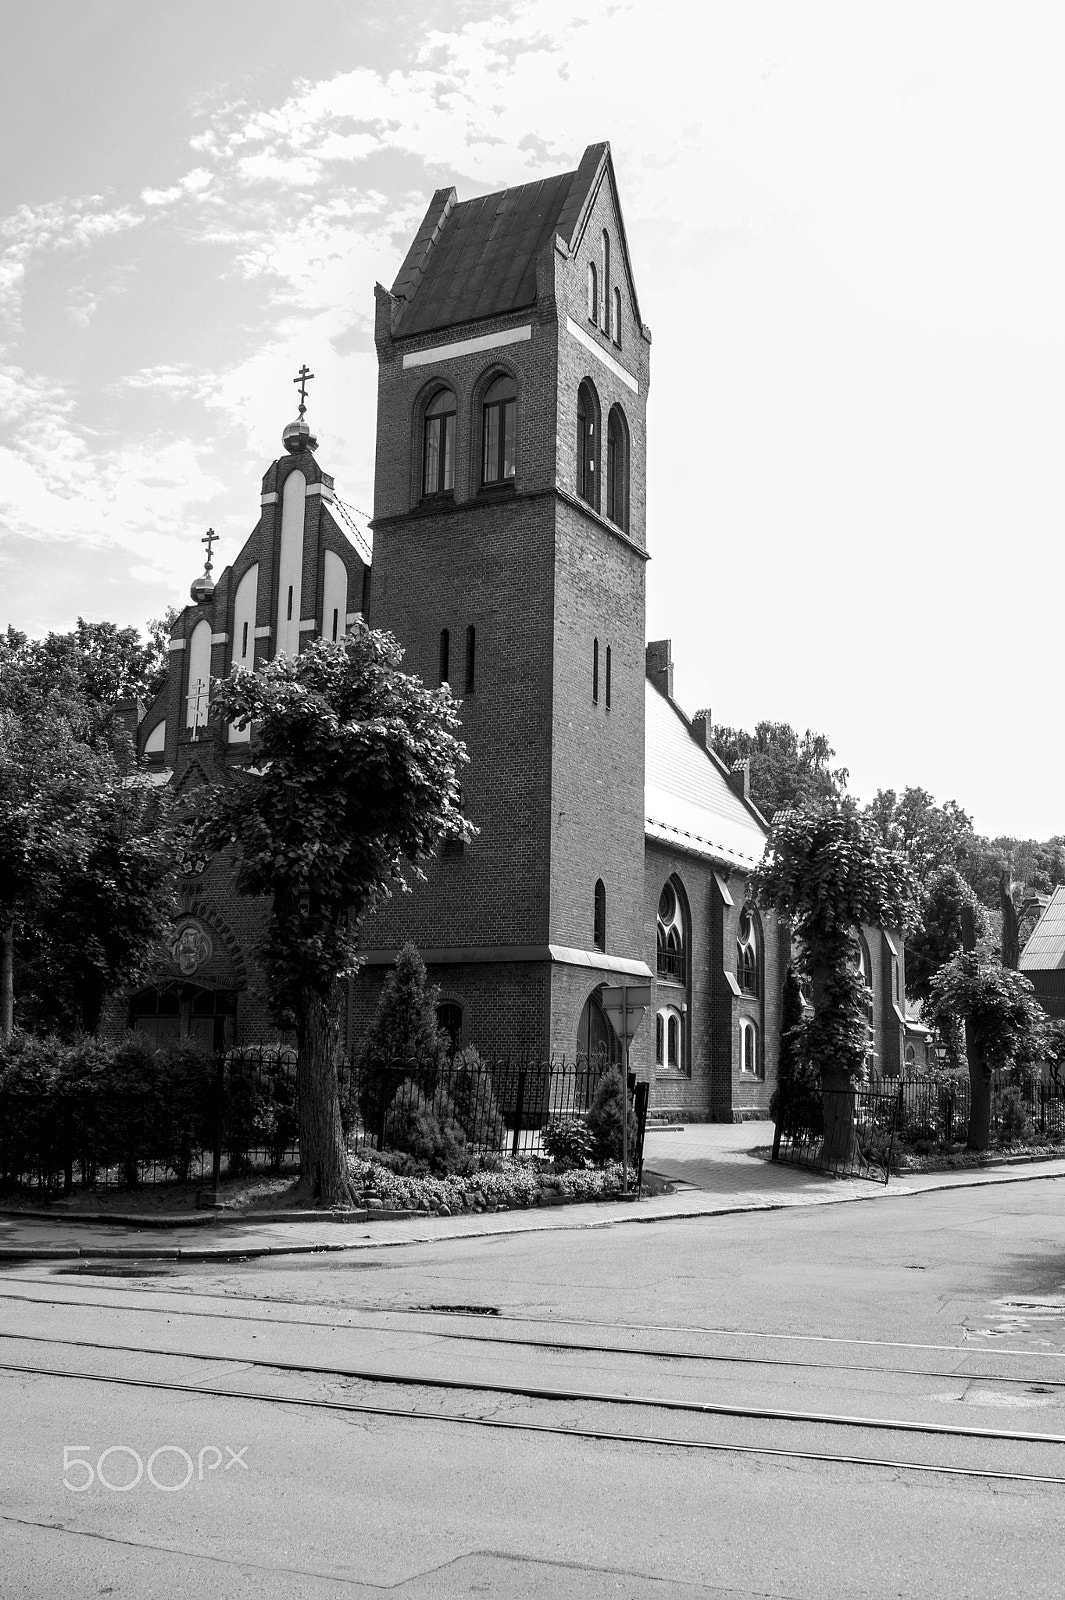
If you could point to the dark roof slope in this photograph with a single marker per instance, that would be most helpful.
(482, 262)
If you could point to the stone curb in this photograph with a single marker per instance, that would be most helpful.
(18, 1253)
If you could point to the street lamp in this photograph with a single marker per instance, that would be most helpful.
(625, 1006)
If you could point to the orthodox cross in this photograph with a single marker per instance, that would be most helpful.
(304, 378)
(209, 539)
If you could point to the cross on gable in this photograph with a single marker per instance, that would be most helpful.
(305, 376)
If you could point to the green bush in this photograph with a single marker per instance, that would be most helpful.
(474, 1102)
(569, 1142)
(427, 1128)
(1014, 1119)
(604, 1119)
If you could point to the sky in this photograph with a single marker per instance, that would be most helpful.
(847, 227)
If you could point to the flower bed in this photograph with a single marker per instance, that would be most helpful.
(496, 1183)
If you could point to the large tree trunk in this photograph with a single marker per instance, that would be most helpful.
(979, 1091)
(1011, 924)
(7, 980)
(323, 1160)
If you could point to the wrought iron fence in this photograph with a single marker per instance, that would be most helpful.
(848, 1133)
(238, 1114)
(935, 1109)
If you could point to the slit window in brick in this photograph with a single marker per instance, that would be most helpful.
(599, 925)
(606, 684)
(445, 656)
(595, 672)
(471, 658)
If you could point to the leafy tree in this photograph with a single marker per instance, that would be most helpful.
(826, 871)
(85, 869)
(1004, 1025)
(355, 778)
(796, 1096)
(785, 770)
(944, 900)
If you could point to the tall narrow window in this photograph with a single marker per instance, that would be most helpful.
(445, 651)
(439, 454)
(499, 413)
(244, 641)
(595, 672)
(599, 927)
(607, 683)
(471, 658)
(617, 468)
(288, 617)
(615, 331)
(606, 281)
(587, 443)
(747, 954)
(672, 936)
(336, 623)
(593, 293)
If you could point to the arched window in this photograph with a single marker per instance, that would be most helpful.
(587, 444)
(498, 431)
(606, 297)
(672, 935)
(449, 1023)
(749, 1061)
(596, 1041)
(599, 929)
(911, 1058)
(617, 468)
(615, 331)
(471, 658)
(748, 954)
(864, 968)
(595, 672)
(593, 293)
(438, 474)
(669, 1038)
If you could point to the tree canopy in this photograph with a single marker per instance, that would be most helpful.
(785, 770)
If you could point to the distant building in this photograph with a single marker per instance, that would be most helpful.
(1043, 957)
(509, 558)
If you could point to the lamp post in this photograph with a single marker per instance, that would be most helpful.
(625, 1005)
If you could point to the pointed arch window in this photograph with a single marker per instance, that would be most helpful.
(615, 317)
(587, 444)
(617, 468)
(593, 293)
(438, 472)
(498, 431)
(748, 954)
(606, 296)
(672, 955)
(599, 928)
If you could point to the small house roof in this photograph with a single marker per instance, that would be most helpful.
(1045, 950)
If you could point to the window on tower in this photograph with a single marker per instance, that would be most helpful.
(595, 672)
(606, 297)
(599, 923)
(498, 431)
(438, 474)
(593, 293)
(587, 444)
(445, 656)
(615, 331)
(617, 468)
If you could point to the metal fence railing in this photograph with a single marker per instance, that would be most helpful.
(935, 1109)
(238, 1114)
(848, 1133)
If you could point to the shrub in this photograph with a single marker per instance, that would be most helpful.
(474, 1101)
(604, 1119)
(1014, 1119)
(403, 1040)
(569, 1142)
(426, 1129)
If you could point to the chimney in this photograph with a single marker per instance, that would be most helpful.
(740, 779)
(660, 665)
(702, 722)
(126, 719)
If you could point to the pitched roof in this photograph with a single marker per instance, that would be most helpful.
(473, 259)
(688, 801)
(1045, 950)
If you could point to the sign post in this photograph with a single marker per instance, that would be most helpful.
(625, 1005)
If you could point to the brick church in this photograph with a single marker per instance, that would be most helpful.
(509, 558)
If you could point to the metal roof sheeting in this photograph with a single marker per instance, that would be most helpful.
(688, 802)
(1045, 950)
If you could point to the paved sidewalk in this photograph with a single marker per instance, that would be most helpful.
(709, 1162)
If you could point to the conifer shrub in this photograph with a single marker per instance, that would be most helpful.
(403, 1040)
(569, 1142)
(426, 1128)
(604, 1119)
(474, 1101)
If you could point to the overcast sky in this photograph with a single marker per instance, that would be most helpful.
(847, 225)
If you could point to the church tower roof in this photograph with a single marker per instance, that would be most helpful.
(473, 259)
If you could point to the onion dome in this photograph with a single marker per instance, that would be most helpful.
(298, 436)
(202, 589)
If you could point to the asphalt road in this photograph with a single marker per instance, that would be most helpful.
(859, 1400)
